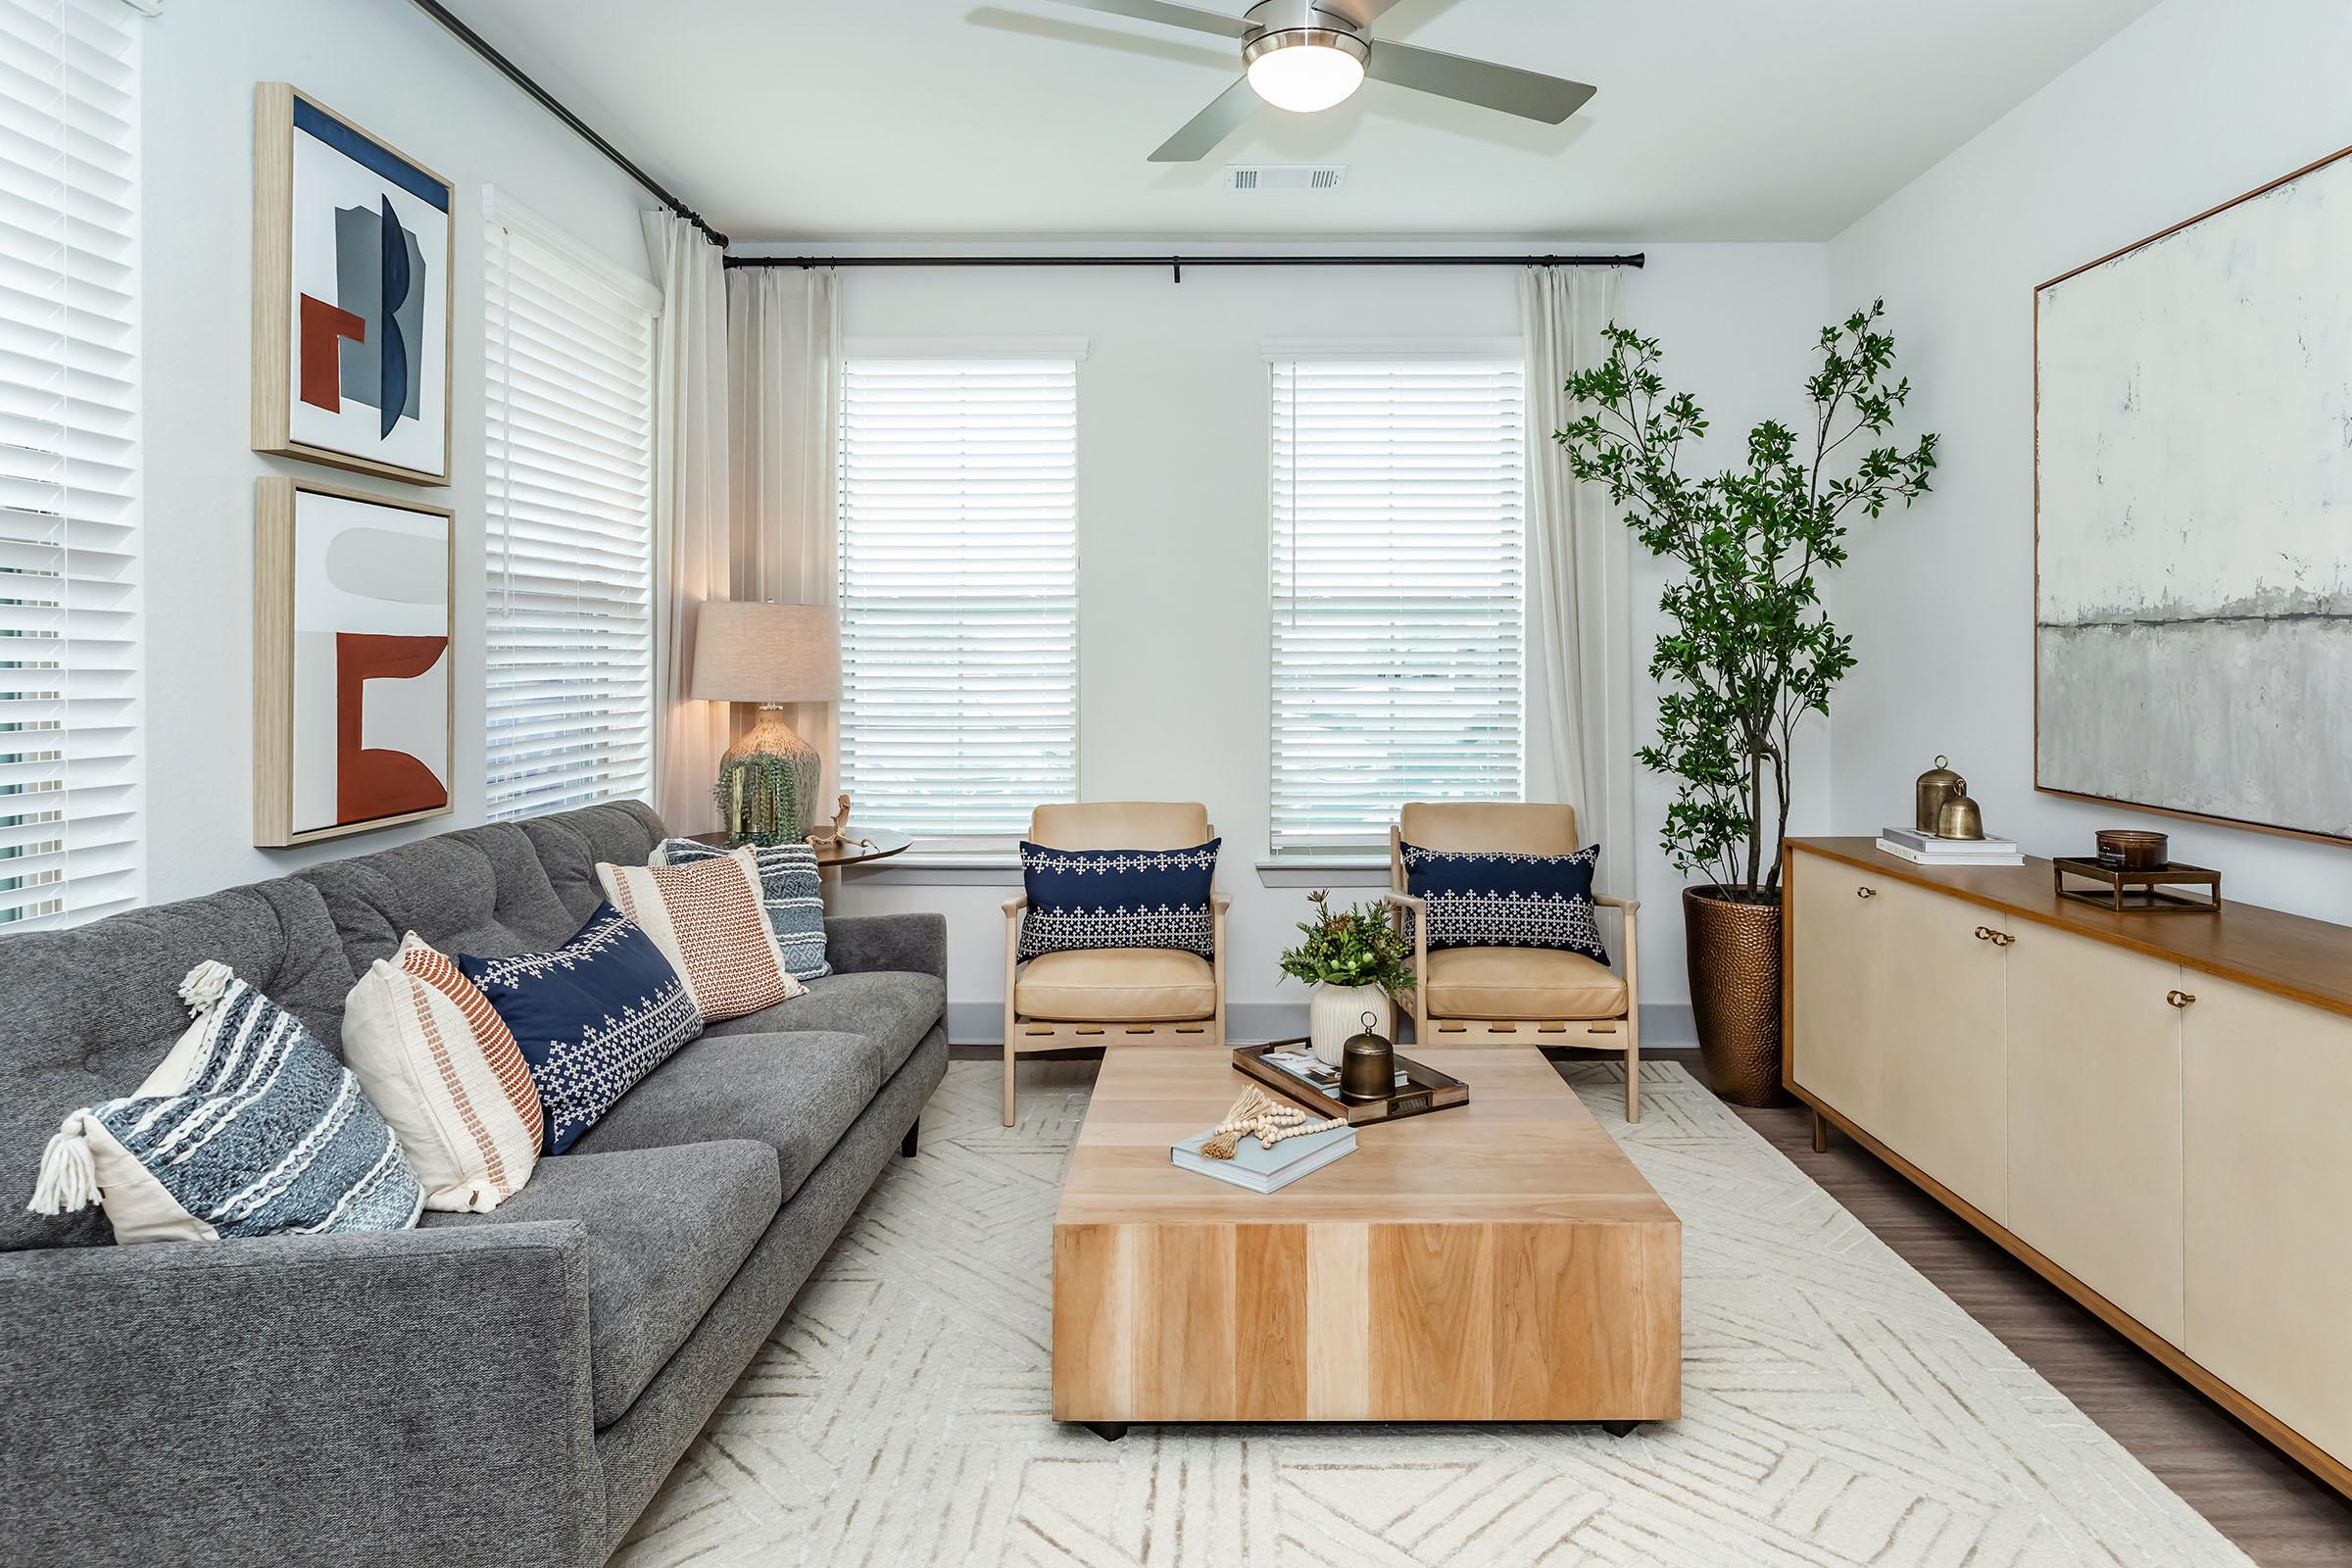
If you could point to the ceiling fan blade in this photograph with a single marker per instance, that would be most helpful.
(1171, 14)
(1211, 125)
(1529, 94)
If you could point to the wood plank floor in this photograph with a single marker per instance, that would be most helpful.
(2273, 1510)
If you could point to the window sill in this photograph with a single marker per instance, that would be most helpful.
(1325, 871)
(917, 870)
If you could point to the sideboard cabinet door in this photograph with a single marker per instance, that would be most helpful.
(2267, 1178)
(2095, 1118)
(1836, 1025)
(1943, 1101)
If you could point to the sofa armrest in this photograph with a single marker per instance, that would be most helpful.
(860, 943)
(387, 1396)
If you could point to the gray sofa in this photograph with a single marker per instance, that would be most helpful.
(497, 1389)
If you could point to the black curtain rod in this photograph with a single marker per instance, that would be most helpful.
(1177, 264)
(554, 106)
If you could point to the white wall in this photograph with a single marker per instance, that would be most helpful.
(1174, 616)
(2195, 103)
(394, 71)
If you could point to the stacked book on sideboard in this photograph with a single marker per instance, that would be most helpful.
(1925, 849)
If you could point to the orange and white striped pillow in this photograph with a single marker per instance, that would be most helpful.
(709, 921)
(444, 1071)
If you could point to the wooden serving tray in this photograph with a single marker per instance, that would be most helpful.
(1425, 1088)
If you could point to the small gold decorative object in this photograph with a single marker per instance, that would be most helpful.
(1936, 785)
(1959, 819)
(1269, 1121)
(1367, 1063)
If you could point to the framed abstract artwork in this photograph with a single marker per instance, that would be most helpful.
(352, 692)
(2192, 516)
(352, 246)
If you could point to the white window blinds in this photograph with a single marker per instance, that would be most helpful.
(1398, 535)
(568, 527)
(959, 592)
(69, 826)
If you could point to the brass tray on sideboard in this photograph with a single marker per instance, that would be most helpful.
(1425, 1088)
(2143, 891)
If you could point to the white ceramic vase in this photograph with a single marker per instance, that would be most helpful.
(1336, 1012)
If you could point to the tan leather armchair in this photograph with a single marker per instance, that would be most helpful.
(1113, 996)
(1528, 996)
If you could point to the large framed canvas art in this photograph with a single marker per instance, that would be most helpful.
(2193, 491)
(352, 680)
(350, 294)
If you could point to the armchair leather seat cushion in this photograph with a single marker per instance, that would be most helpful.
(1116, 985)
(1521, 983)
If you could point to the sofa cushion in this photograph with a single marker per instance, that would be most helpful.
(1521, 983)
(1122, 985)
(1505, 898)
(893, 1010)
(478, 890)
(668, 1228)
(569, 844)
(790, 890)
(708, 921)
(92, 1010)
(795, 1093)
(1126, 898)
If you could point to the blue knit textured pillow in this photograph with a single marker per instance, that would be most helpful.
(592, 1017)
(789, 891)
(1496, 899)
(1118, 899)
(248, 1127)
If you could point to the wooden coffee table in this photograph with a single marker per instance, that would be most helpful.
(1503, 1262)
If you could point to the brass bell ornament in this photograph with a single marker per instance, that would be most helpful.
(1938, 785)
(1959, 819)
(1367, 1064)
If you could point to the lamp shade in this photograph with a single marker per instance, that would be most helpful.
(761, 653)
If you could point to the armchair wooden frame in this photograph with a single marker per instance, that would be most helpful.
(1023, 1035)
(1620, 1034)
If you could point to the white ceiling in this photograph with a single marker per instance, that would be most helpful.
(860, 119)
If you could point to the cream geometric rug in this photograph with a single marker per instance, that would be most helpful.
(1838, 1408)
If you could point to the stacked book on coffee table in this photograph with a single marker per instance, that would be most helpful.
(1262, 1169)
(1925, 849)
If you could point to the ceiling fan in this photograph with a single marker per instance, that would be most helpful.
(1307, 55)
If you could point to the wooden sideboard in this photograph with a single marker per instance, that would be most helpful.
(2151, 1110)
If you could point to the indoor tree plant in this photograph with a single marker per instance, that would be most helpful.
(1749, 650)
(1356, 959)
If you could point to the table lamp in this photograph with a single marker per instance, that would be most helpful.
(770, 654)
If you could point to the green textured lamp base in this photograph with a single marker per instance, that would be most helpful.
(768, 784)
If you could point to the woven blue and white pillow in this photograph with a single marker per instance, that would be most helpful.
(248, 1127)
(1118, 899)
(592, 1017)
(789, 891)
(1498, 899)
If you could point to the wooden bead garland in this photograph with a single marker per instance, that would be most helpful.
(1268, 1121)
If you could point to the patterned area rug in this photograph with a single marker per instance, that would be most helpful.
(1838, 1408)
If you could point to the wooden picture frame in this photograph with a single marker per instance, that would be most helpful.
(342, 325)
(291, 693)
(2049, 777)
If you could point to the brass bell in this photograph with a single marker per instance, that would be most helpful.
(1959, 819)
(1938, 785)
(1367, 1064)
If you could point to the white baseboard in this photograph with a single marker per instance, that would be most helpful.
(1665, 1025)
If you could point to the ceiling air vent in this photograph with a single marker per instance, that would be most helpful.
(1285, 176)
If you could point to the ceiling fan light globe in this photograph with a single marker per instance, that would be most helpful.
(1304, 71)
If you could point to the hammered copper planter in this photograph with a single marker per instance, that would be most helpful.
(1734, 951)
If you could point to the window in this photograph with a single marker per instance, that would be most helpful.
(959, 589)
(70, 824)
(1399, 533)
(568, 531)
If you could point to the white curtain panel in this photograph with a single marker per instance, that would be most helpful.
(784, 367)
(694, 555)
(1580, 576)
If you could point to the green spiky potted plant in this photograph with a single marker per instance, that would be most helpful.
(1749, 650)
(1357, 961)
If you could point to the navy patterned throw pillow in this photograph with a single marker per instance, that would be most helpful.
(1498, 899)
(1118, 899)
(592, 1017)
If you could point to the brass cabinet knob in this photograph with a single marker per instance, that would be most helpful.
(2179, 999)
(1999, 939)
(1866, 893)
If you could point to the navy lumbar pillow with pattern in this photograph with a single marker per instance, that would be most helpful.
(592, 1017)
(1118, 899)
(1499, 899)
